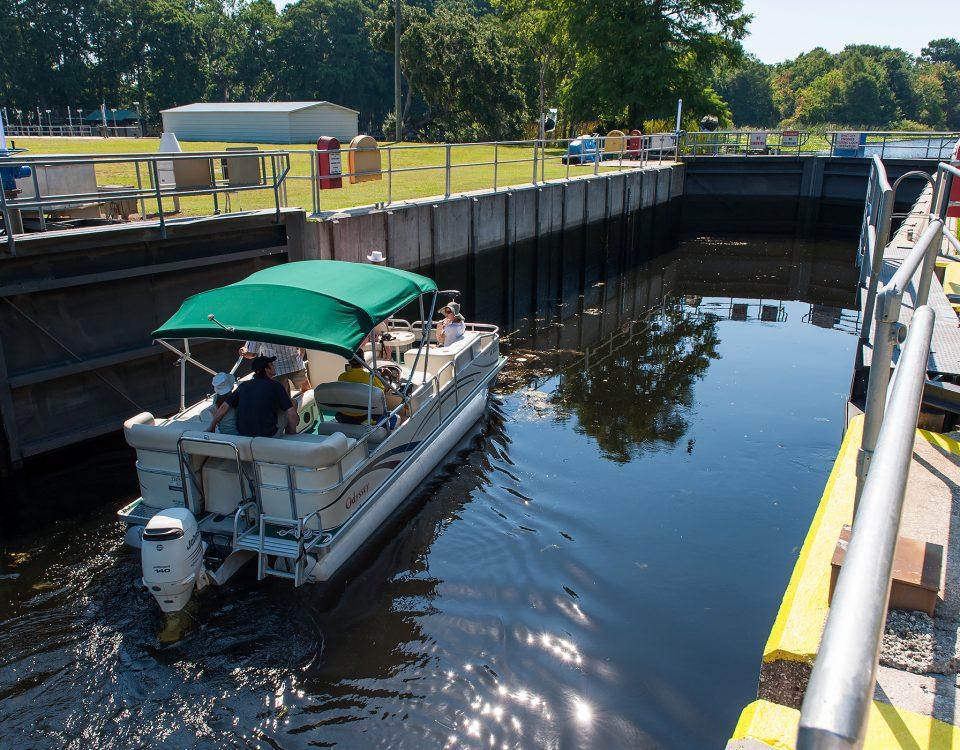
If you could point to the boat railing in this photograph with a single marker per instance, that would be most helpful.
(841, 687)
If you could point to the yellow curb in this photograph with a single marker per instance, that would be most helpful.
(796, 632)
(888, 728)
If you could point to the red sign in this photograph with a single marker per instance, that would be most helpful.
(329, 164)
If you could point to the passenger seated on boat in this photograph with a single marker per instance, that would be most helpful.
(451, 329)
(223, 385)
(352, 397)
(257, 402)
(354, 372)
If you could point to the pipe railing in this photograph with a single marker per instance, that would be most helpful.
(908, 144)
(272, 170)
(744, 142)
(74, 131)
(838, 696)
(877, 215)
(596, 152)
(889, 332)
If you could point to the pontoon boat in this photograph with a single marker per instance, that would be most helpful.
(301, 504)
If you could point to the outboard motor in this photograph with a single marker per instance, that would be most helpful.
(172, 557)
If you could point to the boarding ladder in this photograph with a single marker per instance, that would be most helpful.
(286, 538)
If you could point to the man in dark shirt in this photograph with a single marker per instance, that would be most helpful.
(258, 402)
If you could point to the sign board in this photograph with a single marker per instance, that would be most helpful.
(790, 139)
(846, 144)
(757, 141)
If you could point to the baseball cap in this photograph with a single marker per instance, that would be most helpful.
(259, 363)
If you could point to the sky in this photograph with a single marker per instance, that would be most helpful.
(782, 29)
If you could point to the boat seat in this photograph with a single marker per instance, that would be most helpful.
(354, 431)
(144, 432)
(316, 463)
(304, 449)
(440, 356)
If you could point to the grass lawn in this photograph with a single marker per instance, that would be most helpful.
(515, 168)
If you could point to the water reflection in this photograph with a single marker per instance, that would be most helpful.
(634, 392)
(563, 581)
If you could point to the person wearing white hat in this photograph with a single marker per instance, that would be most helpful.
(381, 329)
(451, 329)
(223, 385)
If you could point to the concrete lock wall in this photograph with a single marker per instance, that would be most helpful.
(808, 196)
(424, 233)
(76, 356)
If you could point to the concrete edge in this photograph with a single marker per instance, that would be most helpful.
(796, 632)
(763, 724)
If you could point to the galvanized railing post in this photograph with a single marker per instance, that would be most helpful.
(156, 187)
(535, 166)
(446, 192)
(389, 175)
(596, 156)
(935, 230)
(496, 157)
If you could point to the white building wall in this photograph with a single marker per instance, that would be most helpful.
(238, 127)
(300, 126)
(306, 125)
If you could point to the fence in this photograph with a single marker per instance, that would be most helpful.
(744, 142)
(74, 131)
(898, 144)
(841, 687)
(57, 185)
(510, 163)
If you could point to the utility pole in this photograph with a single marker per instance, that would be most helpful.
(398, 116)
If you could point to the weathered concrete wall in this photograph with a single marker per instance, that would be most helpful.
(76, 356)
(423, 234)
(806, 195)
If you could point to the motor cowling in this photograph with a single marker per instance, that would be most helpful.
(172, 556)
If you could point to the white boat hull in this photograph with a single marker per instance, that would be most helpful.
(366, 523)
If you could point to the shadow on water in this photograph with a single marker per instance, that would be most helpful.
(563, 580)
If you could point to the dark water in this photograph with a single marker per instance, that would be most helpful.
(597, 565)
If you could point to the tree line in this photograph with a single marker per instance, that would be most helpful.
(471, 69)
(863, 86)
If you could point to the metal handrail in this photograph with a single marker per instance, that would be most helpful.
(838, 696)
(726, 142)
(274, 168)
(888, 333)
(884, 138)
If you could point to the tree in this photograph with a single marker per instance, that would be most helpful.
(633, 60)
(942, 50)
(746, 90)
(461, 78)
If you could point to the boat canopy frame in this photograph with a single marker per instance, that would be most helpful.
(358, 303)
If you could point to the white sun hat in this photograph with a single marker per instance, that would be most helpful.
(223, 383)
(376, 257)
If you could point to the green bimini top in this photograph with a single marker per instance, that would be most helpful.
(328, 305)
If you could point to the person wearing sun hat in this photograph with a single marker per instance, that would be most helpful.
(451, 329)
(223, 384)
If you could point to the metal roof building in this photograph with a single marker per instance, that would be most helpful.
(261, 122)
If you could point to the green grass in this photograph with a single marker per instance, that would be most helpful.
(515, 168)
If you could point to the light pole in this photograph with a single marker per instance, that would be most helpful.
(49, 121)
(113, 113)
(80, 120)
(398, 116)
